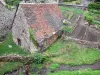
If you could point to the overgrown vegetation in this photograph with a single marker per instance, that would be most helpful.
(9, 47)
(94, 11)
(72, 1)
(54, 66)
(79, 72)
(88, 16)
(95, 6)
(38, 58)
(8, 66)
(12, 2)
(67, 29)
(68, 52)
(74, 10)
(32, 37)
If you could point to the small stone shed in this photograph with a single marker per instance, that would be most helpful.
(37, 23)
(6, 20)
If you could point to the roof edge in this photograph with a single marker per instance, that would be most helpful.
(38, 3)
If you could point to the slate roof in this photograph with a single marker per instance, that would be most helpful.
(45, 19)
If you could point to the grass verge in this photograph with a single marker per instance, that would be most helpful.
(80, 72)
(75, 10)
(8, 66)
(9, 47)
(68, 52)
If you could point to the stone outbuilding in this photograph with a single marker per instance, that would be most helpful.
(37, 25)
(6, 20)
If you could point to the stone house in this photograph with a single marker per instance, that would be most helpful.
(37, 24)
(6, 20)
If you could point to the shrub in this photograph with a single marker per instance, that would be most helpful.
(8, 6)
(88, 17)
(94, 6)
(97, 23)
(38, 58)
(68, 29)
(12, 2)
(94, 11)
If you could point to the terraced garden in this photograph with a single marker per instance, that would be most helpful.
(62, 58)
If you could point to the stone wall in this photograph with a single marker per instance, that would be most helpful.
(83, 42)
(20, 32)
(6, 19)
(86, 33)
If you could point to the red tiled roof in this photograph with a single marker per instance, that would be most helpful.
(40, 24)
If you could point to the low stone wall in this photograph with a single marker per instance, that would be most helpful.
(84, 42)
(17, 71)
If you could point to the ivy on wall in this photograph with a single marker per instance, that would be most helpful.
(32, 37)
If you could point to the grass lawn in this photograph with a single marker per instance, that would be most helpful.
(5, 49)
(80, 72)
(8, 66)
(67, 52)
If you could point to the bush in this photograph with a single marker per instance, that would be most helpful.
(97, 24)
(68, 29)
(8, 6)
(94, 6)
(38, 58)
(12, 2)
(89, 17)
(94, 11)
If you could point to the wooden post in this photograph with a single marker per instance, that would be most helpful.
(27, 71)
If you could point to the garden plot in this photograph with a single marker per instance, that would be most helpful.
(71, 53)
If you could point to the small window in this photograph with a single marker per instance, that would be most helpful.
(19, 42)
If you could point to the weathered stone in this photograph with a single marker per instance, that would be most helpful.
(6, 19)
(39, 22)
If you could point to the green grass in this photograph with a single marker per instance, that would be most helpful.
(39, 66)
(5, 50)
(4, 47)
(80, 72)
(9, 66)
(53, 66)
(75, 10)
(68, 52)
(68, 29)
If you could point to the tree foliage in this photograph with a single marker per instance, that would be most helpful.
(12, 2)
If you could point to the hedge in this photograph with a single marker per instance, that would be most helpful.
(95, 6)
